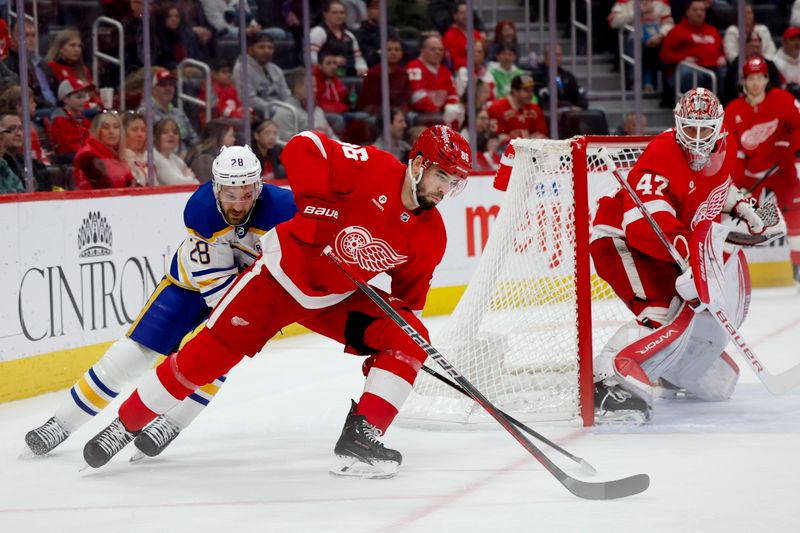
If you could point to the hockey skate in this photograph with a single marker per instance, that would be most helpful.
(43, 439)
(359, 453)
(614, 405)
(106, 444)
(154, 438)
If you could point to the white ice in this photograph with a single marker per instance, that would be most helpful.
(258, 458)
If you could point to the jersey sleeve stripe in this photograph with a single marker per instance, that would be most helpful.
(653, 206)
(214, 236)
(316, 140)
(239, 247)
(201, 273)
(218, 288)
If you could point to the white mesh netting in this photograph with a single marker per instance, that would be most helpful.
(514, 331)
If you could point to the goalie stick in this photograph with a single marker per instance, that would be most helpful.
(604, 490)
(774, 383)
(588, 468)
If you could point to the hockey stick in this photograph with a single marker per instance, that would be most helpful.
(762, 179)
(588, 468)
(775, 383)
(605, 490)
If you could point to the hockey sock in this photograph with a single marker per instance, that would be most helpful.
(183, 414)
(389, 383)
(87, 397)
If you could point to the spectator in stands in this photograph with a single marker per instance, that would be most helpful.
(100, 164)
(731, 85)
(628, 127)
(65, 58)
(195, 17)
(223, 16)
(695, 41)
(480, 70)
(787, 59)
(332, 36)
(268, 150)
(69, 128)
(455, 39)
(570, 93)
(657, 22)
(224, 96)
(265, 79)
(483, 123)
(133, 37)
(504, 69)
(218, 133)
(283, 19)
(11, 102)
(10, 183)
(136, 145)
(173, 40)
(515, 116)
(441, 13)
(163, 93)
(331, 93)
(355, 13)
(432, 86)
(40, 78)
(291, 122)
(171, 169)
(5, 40)
(369, 35)
(730, 43)
(397, 145)
(505, 33)
(399, 89)
(486, 159)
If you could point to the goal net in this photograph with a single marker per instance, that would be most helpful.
(534, 313)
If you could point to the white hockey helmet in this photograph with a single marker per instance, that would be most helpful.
(236, 166)
(698, 125)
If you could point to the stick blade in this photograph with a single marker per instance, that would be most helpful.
(607, 490)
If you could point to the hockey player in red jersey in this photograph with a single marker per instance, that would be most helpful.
(766, 124)
(380, 216)
(683, 179)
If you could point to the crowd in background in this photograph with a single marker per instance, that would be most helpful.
(81, 137)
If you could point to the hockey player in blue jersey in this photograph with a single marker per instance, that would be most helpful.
(224, 219)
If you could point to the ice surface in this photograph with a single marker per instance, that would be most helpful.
(257, 460)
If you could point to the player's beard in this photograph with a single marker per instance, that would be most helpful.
(425, 202)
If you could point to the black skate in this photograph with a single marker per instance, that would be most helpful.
(360, 453)
(614, 405)
(154, 438)
(107, 444)
(43, 439)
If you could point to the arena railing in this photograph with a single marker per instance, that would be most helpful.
(696, 71)
(97, 55)
(185, 97)
(587, 29)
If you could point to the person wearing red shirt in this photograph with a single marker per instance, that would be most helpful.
(224, 96)
(515, 116)
(432, 87)
(695, 41)
(69, 129)
(331, 94)
(379, 215)
(683, 180)
(65, 59)
(765, 122)
(100, 164)
(369, 100)
(455, 38)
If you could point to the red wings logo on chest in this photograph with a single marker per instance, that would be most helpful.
(357, 246)
(759, 133)
(709, 209)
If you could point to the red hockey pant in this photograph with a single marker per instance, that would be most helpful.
(253, 311)
(641, 281)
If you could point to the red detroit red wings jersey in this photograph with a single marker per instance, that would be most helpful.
(677, 197)
(766, 134)
(373, 231)
(430, 91)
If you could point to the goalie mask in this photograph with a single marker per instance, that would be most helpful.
(234, 171)
(698, 125)
(442, 146)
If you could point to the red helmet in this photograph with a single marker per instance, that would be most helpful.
(446, 148)
(755, 65)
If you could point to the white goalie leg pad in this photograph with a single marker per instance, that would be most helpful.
(124, 361)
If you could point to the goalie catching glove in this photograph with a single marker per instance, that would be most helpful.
(751, 225)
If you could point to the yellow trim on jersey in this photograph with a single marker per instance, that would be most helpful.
(210, 389)
(180, 283)
(180, 267)
(161, 287)
(216, 235)
(91, 395)
(257, 231)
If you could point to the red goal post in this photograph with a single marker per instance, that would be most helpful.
(534, 314)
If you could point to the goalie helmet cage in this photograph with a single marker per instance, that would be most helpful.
(534, 313)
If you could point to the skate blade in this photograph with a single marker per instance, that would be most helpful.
(137, 456)
(353, 467)
(621, 418)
